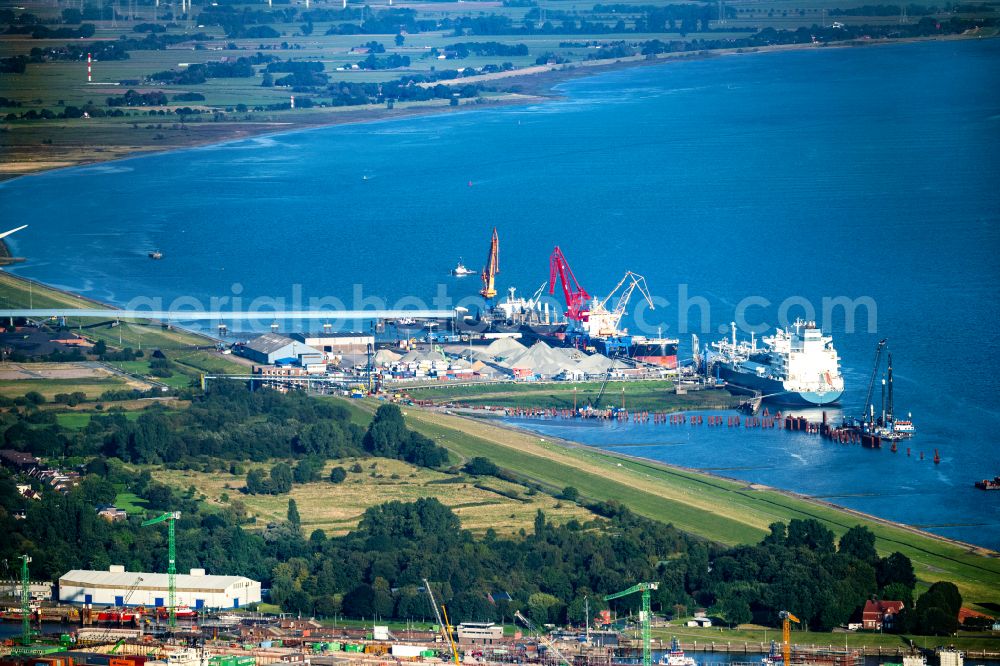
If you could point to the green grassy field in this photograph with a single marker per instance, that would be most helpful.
(93, 387)
(79, 420)
(722, 510)
(130, 503)
(192, 352)
(480, 503)
(759, 637)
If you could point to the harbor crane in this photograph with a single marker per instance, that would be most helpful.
(611, 318)
(575, 295)
(786, 635)
(645, 615)
(445, 628)
(542, 637)
(489, 274)
(170, 518)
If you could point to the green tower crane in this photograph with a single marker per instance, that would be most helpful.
(645, 616)
(170, 518)
(25, 602)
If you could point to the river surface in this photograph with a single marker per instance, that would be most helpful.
(864, 173)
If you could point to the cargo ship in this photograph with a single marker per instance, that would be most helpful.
(797, 366)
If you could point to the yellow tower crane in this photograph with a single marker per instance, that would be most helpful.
(786, 635)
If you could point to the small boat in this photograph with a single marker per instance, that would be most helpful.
(120, 615)
(461, 270)
(180, 612)
(155, 254)
(989, 484)
(676, 656)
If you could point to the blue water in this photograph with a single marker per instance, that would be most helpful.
(866, 173)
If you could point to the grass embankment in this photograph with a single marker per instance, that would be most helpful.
(646, 395)
(191, 353)
(756, 637)
(480, 503)
(722, 510)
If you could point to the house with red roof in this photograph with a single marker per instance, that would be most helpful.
(880, 614)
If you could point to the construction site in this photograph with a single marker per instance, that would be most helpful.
(127, 633)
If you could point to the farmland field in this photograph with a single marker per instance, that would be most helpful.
(336, 508)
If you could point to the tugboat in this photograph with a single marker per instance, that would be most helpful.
(155, 254)
(676, 656)
(774, 656)
(180, 612)
(460, 270)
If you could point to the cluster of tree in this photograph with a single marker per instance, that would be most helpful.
(228, 422)
(44, 32)
(277, 482)
(373, 47)
(47, 114)
(302, 75)
(248, 22)
(149, 27)
(465, 49)
(201, 72)
(352, 93)
(13, 65)
(111, 50)
(885, 10)
(133, 98)
(392, 61)
(388, 437)
(550, 58)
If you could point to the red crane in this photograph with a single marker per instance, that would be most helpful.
(576, 296)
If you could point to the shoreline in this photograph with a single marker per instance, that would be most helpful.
(983, 551)
(538, 86)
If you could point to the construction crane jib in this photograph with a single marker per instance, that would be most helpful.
(631, 282)
(575, 295)
(445, 633)
(645, 617)
(541, 636)
(170, 518)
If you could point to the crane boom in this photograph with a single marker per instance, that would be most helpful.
(170, 518)
(608, 318)
(645, 617)
(875, 366)
(541, 636)
(491, 269)
(441, 623)
(575, 295)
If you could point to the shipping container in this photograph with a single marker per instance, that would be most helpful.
(406, 650)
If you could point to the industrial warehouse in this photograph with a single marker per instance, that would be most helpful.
(117, 587)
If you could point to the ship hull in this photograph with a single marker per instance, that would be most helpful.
(775, 391)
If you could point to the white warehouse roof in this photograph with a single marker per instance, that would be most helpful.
(126, 579)
(137, 588)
